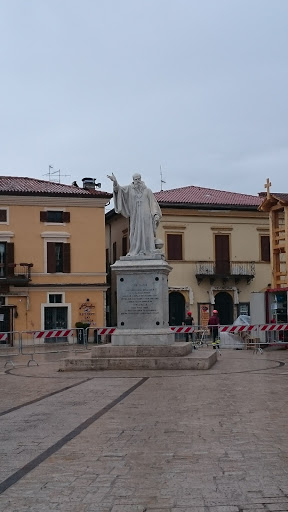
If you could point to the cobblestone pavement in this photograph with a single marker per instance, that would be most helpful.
(155, 441)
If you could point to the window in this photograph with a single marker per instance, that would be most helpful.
(114, 252)
(55, 216)
(58, 257)
(6, 259)
(124, 245)
(222, 254)
(174, 247)
(55, 298)
(265, 248)
(3, 216)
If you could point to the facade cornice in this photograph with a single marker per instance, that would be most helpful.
(221, 228)
(215, 213)
(174, 226)
(85, 202)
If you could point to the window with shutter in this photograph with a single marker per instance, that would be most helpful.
(174, 246)
(3, 259)
(66, 216)
(54, 216)
(10, 264)
(265, 248)
(66, 258)
(3, 215)
(222, 254)
(58, 257)
(51, 258)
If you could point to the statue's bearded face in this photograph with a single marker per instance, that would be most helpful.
(138, 184)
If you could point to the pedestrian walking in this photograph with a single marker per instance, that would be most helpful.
(213, 324)
(189, 320)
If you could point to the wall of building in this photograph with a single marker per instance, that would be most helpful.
(87, 280)
(198, 228)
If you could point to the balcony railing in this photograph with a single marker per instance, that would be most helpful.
(18, 274)
(225, 270)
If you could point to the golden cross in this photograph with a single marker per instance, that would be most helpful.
(268, 185)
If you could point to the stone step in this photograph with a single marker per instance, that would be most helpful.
(197, 360)
(175, 350)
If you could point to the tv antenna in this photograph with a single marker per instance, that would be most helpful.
(161, 178)
(51, 174)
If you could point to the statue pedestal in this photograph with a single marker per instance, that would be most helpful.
(142, 301)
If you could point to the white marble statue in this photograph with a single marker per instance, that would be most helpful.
(138, 202)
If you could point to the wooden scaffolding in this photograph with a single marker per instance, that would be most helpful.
(277, 206)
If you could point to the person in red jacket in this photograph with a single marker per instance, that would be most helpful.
(213, 324)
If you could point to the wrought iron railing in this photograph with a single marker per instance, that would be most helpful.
(225, 268)
(17, 272)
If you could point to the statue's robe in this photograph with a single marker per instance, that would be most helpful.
(140, 206)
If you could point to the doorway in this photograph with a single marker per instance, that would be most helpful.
(6, 323)
(55, 318)
(176, 308)
(224, 306)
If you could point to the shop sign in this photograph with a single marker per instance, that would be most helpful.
(204, 314)
(87, 312)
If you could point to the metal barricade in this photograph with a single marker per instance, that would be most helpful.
(198, 334)
(10, 346)
(257, 337)
(51, 341)
(102, 335)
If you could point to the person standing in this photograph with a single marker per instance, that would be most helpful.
(189, 320)
(213, 324)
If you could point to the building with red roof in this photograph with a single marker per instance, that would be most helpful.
(52, 255)
(217, 243)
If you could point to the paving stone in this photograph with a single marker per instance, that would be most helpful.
(199, 441)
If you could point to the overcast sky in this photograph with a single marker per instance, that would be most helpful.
(198, 87)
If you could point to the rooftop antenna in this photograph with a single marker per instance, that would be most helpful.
(161, 178)
(51, 174)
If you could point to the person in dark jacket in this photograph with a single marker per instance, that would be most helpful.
(213, 324)
(189, 320)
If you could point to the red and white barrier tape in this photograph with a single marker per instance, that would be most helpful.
(53, 334)
(106, 330)
(3, 336)
(249, 328)
(182, 329)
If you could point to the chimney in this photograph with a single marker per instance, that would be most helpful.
(89, 183)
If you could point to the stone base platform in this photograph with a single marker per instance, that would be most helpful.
(148, 337)
(178, 356)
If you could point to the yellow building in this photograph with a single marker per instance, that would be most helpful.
(52, 254)
(218, 245)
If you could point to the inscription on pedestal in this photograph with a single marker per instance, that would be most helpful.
(139, 301)
(140, 298)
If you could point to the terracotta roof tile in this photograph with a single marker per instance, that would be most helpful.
(199, 196)
(11, 185)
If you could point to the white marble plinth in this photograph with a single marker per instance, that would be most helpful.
(147, 337)
(142, 299)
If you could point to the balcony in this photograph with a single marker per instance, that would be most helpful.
(15, 274)
(225, 270)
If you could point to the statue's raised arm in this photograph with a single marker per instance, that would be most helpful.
(138, 202)
(113, 178)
